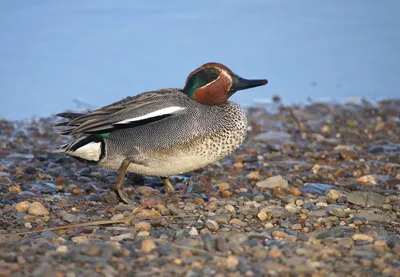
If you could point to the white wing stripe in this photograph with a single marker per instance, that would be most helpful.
(164, 111)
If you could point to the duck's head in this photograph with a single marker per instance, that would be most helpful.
(214, 83)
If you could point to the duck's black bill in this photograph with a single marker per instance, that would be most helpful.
(239, 83)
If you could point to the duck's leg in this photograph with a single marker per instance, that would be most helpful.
(120, 181)
(168, 186)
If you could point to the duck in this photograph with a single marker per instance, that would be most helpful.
(164, 132)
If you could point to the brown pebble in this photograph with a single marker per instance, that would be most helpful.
(279, 234)
(143, 226)
(223, 186)
(274, 252)
(232, 261)
(362, 237)
(37, 208)
(22, 207)
(226, 194)
(279, 192)
(254, 175)
(296, 226)
(60, 180)
(5, 181)
(333, 195)
(148, 245)
(295, 191)
(237, 222)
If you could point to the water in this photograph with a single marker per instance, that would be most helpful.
(55, 54)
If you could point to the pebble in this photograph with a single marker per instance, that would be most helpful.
(316, 188)
(279, 234)
(366, 198)
(362, 237)
(148, 245)
(123, 236)
(62, 249)
(143, 234)
(263, 216)
(295, 191)
(232, 261)
(274, 252)
(254, 175)
(237, 222)
(118, 217)
(143, 226)
(37, 208)
(337, 210)
(333, 195)
(212, 225)
(223, 186)
(193, 232)
(273, 182)
(22, 207)
(296, 226)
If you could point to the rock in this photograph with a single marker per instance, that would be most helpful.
(48, 188)
(92, 250)
(336, 232)
(70, 218)
(373, 217)
(223, 186)
(193, 232)
(62, 249)
(237, 222)
(263, 216)
(22, 207)
(295, 191)
(37, 208)
(393, 241)
(123, 236)
(316, 188)
(348, 154)
(333, 195)
(274, 252)
(5, 181)
(232, 261)
(362, 237)
(143, 226)
(279, 234)
(48, 235)
(296, 226)
(117, 217)
(273, 182)
(212, 225)
(336, 210)
(366, 198)
(148, 245)
(254, 175)
(376, 149)
(143, 234)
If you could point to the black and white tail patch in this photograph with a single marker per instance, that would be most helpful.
(88, 148)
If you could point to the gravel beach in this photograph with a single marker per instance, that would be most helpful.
(314, 191)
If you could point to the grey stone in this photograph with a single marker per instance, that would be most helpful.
(366, 198)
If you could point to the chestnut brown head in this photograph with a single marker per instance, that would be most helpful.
(213, 84)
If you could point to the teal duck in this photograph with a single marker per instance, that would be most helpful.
(164, 132)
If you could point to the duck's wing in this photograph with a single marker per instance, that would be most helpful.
(130, 112)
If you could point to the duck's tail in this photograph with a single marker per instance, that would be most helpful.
(90, 148)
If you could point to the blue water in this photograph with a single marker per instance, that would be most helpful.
(54, 54)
